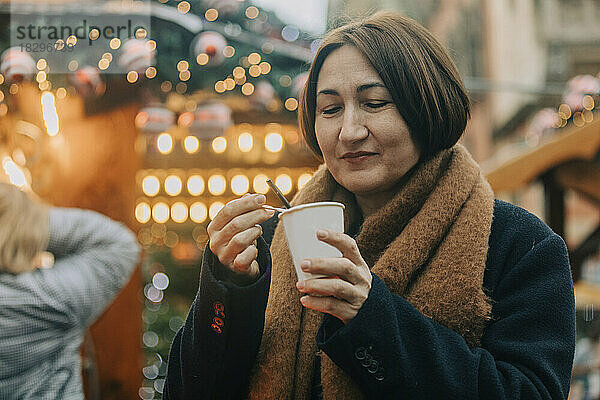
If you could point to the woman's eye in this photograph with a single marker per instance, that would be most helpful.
(377, 104)
(331, 110)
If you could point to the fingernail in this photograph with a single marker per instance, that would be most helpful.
(303, 299)
(300, 285)
(321, 234)
(270, 213)
(260, 199)
(305, 265)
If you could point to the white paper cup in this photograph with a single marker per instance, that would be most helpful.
(301, 223)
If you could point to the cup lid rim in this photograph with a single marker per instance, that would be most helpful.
(309, 205)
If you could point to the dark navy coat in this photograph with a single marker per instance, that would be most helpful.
(526, 350)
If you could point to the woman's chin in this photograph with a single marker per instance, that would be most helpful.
(361, 187)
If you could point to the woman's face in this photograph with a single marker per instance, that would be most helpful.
(365, 142)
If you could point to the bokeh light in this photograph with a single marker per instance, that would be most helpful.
(179, 212)
(284, 183)
(195, 185)
(273, 142)
(164, 143)
(150, 185)
(240, 184)
(173, 185)
(191, 144)
(245, 142)
(160, 281)
(259, 183)
(303, 180)
(214, 209)
(160, 212)
(219, 144)
(143, 212)
(198, 212)
(217, 185)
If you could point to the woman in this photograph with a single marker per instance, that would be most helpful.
(442, 292)
(44, 312)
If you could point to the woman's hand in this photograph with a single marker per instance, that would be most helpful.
(233, 233)
(349, 279)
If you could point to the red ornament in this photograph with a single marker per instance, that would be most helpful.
(212, 44)
(17, 65)
(155, 118)
(577, 88)
(211, 120)
(543, 121)
(137, 55)
(88, 82)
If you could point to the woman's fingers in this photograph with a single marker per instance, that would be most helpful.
(333, 287)
(330, 305)
(233, 209)
(244, 222)
(341, 267)
(243, 261)
(343, 243)
(343, 294)
(238, 244)
(251, 215)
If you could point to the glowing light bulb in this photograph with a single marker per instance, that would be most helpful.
(160, 212)
(173, 185)
(195, 185)
(273, 142)
(219, 144)
(217, 185)
(214, 209)
(284, 182)
(198, 212)
(259, 183)
(240, 184)
(142, 212)
(164, 143)
(303, 180)
(247, 89)
(49, 113)
(254, 58)
(191, 144)
(179, 212)
(150, 185)
(245, 142)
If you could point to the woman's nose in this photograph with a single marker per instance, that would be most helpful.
(353, 127)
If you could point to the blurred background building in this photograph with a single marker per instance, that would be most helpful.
(161, 129)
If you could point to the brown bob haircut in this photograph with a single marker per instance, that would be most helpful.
(417, 71)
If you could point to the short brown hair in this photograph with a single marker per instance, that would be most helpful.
(418, 72)
(23, 229)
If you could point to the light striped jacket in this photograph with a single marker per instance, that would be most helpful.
(44, 313)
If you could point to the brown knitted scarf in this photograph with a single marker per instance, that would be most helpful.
(428, 244)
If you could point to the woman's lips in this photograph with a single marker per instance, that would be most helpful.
(358, 157)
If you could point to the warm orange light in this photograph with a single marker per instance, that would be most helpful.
(259, 183)
(179, 212)
(143, 212)
(195, 185)
(240, 184)
(150, 185)
(284, 183)
(198, 212)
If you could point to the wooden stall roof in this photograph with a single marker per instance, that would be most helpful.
(526, 164)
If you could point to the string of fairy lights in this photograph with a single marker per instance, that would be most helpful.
(178, 197)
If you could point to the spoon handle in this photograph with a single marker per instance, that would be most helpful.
(268, 207)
